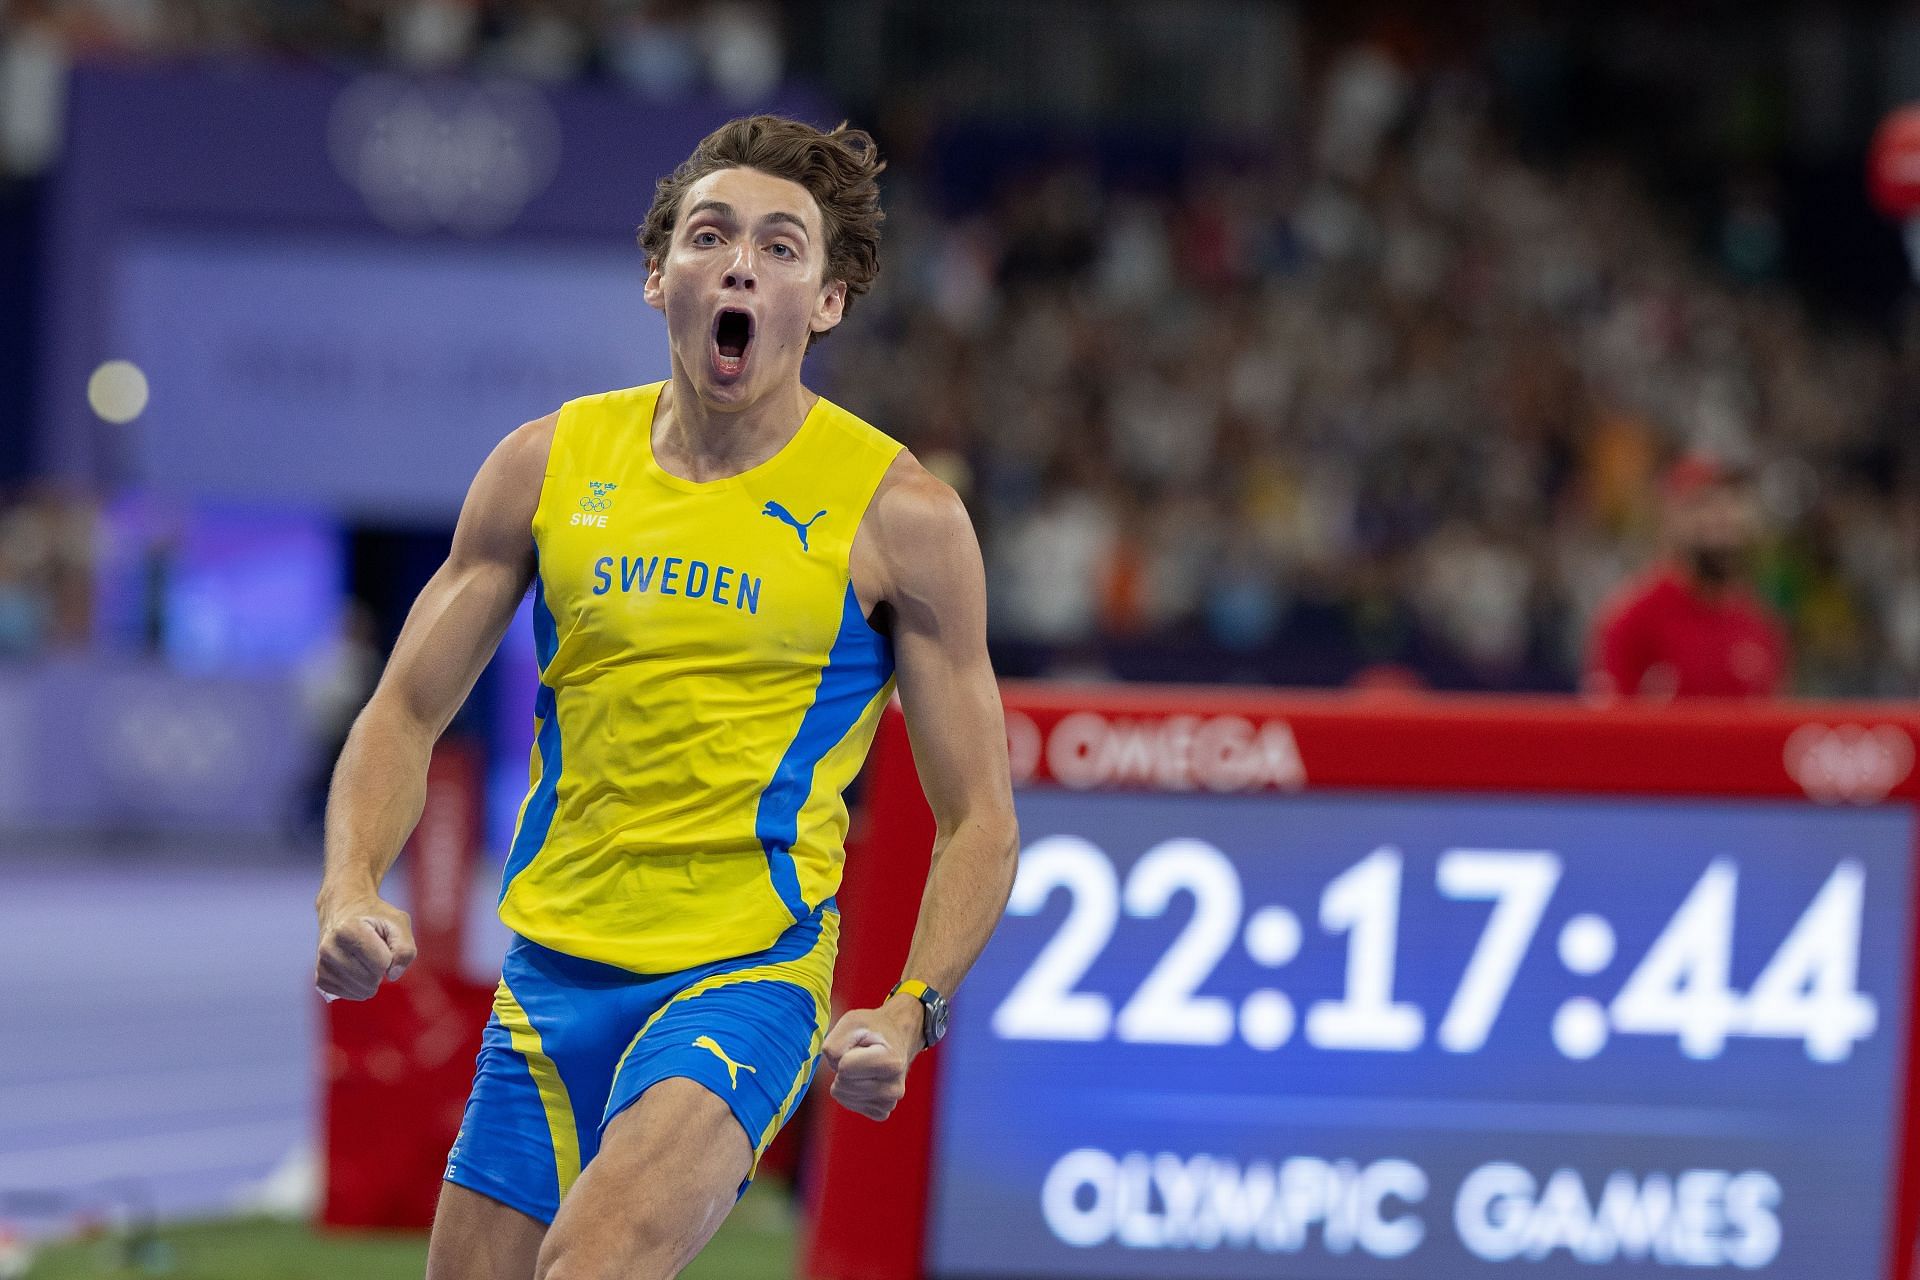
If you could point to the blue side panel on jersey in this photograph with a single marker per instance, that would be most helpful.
(538, 818)
(858, 665)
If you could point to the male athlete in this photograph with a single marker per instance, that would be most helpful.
(730, 574)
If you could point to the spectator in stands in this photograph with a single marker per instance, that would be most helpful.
(1385, 388)
(1691, 627)
(23, 610)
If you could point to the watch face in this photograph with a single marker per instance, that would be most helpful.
(936, 1019)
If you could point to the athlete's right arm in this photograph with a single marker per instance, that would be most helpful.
(380, 783)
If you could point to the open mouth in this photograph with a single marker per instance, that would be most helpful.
(732, 335)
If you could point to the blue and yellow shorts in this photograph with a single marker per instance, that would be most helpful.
(574, 1042)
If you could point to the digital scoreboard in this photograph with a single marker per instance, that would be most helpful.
(1386, 1035)
(1313, 988)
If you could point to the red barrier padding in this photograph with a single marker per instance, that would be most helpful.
(869, 1180)
(440, 856)
(397, 1072)
(397, 1068)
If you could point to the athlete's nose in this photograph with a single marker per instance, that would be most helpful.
(740, 275)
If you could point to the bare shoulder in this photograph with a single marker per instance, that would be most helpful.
(528, 444)
(913, 505)
(518, 463)
(496, 523)
(918, 536)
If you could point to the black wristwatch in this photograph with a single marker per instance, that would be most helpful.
(933, 1010)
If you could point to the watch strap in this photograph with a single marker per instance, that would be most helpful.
(933, 1009)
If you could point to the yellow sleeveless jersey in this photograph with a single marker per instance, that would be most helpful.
(708, 688)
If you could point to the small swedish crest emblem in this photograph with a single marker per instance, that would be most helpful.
(600, 496)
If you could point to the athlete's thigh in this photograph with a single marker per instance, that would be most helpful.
(669, 1168)
(698, 1095)
(475, 1237)
(541, 1081)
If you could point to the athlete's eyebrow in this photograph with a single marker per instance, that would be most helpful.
(782, 216)
(721, 209)
(718, 207)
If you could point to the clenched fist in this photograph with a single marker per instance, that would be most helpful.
(362, 940)
(869, 1051)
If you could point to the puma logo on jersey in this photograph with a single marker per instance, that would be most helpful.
(785, 516)
(707, 1042)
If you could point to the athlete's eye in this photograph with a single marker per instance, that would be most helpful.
(781, 249)
(704, 238)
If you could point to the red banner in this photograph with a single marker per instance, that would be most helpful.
(441, 854)
(397, 1068)
(397, 1071)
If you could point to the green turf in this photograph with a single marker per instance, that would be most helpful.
(756, 1243)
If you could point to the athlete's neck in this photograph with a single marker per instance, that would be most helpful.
(699, 442)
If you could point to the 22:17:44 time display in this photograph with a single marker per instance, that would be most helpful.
(1681, 987)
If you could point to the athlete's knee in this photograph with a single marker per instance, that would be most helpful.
(576, 1266)
(564, 1263)
(638, 1253)
(478, 1238)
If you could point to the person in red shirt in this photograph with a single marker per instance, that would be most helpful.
(1690, 627)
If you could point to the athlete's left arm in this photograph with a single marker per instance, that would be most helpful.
(918, 551)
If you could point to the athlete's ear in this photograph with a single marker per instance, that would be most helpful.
(831, 305)
(652, 290)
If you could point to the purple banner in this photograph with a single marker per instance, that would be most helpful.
(94, 745)
(345, 290)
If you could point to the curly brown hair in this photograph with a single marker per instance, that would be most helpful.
(838, 167)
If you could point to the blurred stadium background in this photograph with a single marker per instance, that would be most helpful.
(1271, 345)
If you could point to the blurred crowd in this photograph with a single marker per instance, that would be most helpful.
(1376, 396)
(1392, 398)
(47, 558)
(658, 48)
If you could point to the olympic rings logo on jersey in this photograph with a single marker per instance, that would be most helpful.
(598, 499)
